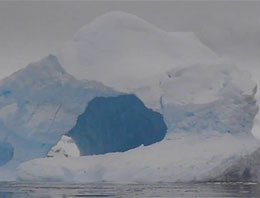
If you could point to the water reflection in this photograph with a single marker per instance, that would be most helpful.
(59, 190)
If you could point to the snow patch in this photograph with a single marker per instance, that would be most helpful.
(66, 147)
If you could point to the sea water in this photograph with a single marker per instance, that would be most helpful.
(65, 190)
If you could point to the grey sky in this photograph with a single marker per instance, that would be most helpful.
(31, 30)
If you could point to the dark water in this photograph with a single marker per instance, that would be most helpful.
(58, 190)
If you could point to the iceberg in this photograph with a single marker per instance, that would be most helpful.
(206, 104)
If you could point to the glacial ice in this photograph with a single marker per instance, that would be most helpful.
(172, 73)
(207, 104)
(41, 103)
(238, 169)
(116, 124)
(178, 158)
(6, 152)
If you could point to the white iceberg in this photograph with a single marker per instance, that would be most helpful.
(208, 104)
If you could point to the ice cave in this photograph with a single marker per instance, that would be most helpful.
(117, 124)
(6, 152)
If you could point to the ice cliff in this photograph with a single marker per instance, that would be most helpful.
(238, 169)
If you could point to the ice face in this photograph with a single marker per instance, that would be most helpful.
(230, 115)
(41, 103)
(117, 124)
(240, 169)
(6, 152)
(197, 98)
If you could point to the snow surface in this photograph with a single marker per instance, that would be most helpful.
(180, 157)
(120, 50)
(66, 147)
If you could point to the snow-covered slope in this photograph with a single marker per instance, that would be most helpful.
(120, 50)
(180, 157)
(41, 103)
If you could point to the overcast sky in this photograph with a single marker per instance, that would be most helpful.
(32, 30)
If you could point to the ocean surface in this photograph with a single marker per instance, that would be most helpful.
(61, 190)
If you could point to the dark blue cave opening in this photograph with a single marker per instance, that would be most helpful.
(6, 152)
(117, 124)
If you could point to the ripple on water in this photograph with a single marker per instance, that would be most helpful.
(64, 190)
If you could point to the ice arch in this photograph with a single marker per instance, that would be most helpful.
(116, 124)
